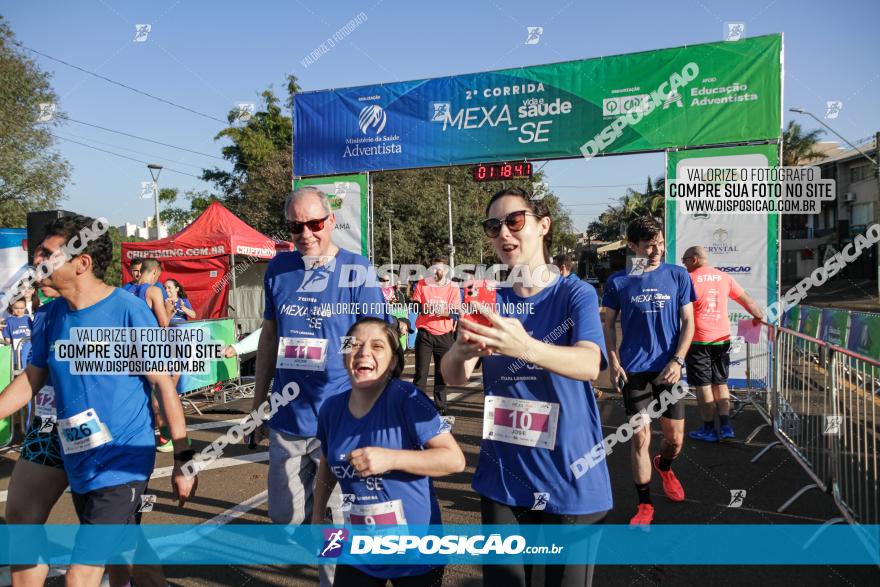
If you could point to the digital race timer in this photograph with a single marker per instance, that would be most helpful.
(499, 171)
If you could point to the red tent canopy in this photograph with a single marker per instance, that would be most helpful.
(199, 256)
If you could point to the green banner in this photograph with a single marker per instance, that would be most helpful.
(6, 430)
(349, 201)
(707, 94)
(811, 319)
(222, 330)
(792, 318)
(864, 335)
(835, 326)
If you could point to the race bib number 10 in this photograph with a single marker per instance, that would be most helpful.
(520, 421)
(82, 432)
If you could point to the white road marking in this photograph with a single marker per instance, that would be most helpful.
(239, 510)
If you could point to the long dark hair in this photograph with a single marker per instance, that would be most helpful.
(181, 293)
(537, 207)
(393, 340)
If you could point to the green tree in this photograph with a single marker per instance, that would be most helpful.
(261, 155)
(113, 275)
(799, 148)
(32, 177)
(178, 217)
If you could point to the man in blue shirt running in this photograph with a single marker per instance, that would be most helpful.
(103, 421)
(657, 321)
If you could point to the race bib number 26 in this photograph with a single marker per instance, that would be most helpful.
(82, 432)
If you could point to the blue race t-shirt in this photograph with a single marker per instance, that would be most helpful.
(403, 418)
(178, 316)
(17, 327)
(313, 310)
(537, 423)
(649, 306)
(105, 423)
(130, 286)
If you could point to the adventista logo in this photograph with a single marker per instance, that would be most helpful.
(334, 538)
(372, 117)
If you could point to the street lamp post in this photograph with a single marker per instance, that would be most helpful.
(451, 244)
(391, 246)
(155, 170)
(876, 174)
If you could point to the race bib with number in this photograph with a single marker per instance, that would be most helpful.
(82, 432)
(44, 403)
(520, 421)
(309, 354)
(377, 514)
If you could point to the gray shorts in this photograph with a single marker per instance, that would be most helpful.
(293, 466)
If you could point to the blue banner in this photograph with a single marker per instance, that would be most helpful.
(258, 544)
(708, 94)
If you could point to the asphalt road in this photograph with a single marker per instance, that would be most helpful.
(234, 491)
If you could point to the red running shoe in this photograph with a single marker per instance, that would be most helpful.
(671, 485)
(643, 516)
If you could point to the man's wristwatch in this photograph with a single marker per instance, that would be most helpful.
(678, 360)
(184, 456)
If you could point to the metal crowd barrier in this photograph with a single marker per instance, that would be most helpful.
(823, 406)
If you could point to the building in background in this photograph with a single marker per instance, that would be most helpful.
(147, 231)
(807, 239)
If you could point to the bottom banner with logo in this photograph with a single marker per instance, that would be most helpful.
(252, 544)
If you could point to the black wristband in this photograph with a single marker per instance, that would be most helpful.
(184, 456)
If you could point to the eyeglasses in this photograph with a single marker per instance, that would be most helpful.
(514, 221)
(296, 227)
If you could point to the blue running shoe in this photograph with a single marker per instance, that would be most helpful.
(727, 433)
(704, 434)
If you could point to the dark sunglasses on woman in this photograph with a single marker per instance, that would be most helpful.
(296, 227)
(514, 221)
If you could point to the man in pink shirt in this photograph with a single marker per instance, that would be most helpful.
(708, 359)
(437, 295)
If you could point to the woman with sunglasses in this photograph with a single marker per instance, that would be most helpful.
(382, 440)
(540, 415)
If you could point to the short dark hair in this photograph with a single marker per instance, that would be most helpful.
(99, 249)
(393, 340)
(149, 264)
(439, 258)
(538, 207)
(643, 228)
(563, 260)
(136, 261)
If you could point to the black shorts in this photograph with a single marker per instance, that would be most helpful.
(708, 363)
(110, 505)
(639, 392)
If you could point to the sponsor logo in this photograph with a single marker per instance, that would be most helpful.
(372, 117)
(439, 111)
(737, 496)
(739, 269)
(541, 501)
(334, 538)
(721, 244)
(700, 216)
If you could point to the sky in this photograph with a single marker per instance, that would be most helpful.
(211, 55)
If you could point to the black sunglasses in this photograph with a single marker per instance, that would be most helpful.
(514, 221)
(296, 227)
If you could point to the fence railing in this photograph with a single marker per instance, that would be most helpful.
(823, 405)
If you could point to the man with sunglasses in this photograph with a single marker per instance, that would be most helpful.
(103, 420)
(655, 304)
(437, 296)
(313, 297)
(708, 360)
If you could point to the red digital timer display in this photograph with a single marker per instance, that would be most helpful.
(500, 171)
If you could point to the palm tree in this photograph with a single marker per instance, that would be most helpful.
(798, 148)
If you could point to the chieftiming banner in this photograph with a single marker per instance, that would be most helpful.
(349, 201)
(745, 246)
(727, 92)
